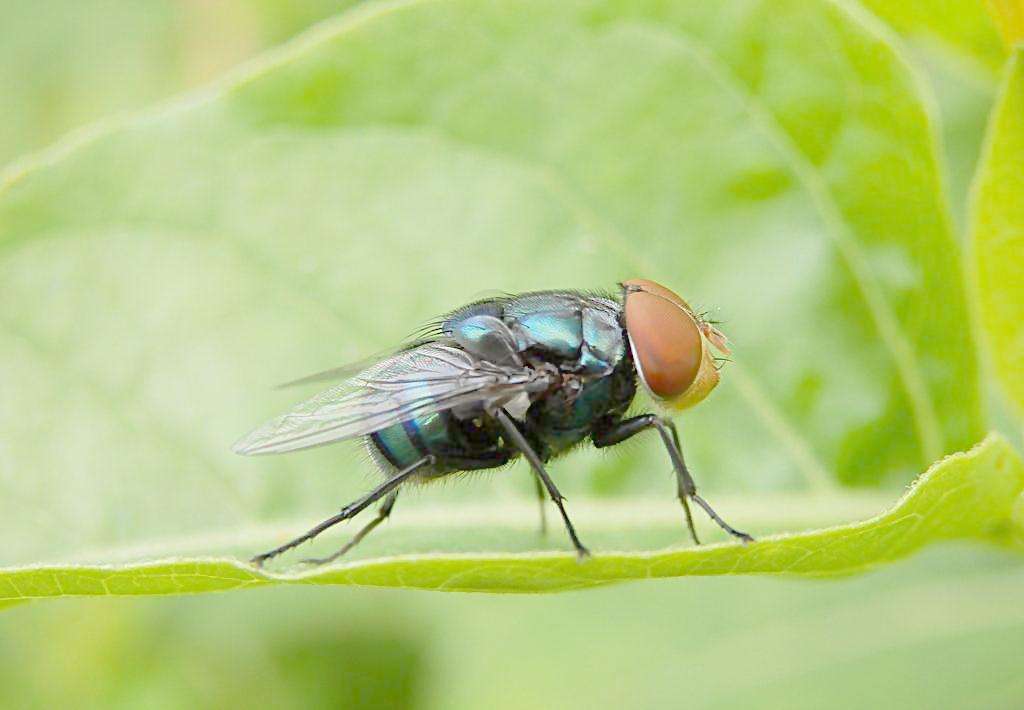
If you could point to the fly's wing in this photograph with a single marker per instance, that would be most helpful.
(344, 372)
(440, 330)
(417, 382)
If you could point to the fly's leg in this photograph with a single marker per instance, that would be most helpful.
(540, 501)
(350, 510)
(687, 490)
(685, 487)
(520, 442)
(385, 511)
(686, 484)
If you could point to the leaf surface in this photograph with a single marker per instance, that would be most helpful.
(1008, 16)
(959, 27)
(975, 495)
(998, 233)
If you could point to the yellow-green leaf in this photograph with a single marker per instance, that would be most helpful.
(1009, 18)
(64, 63)
(998, 233)
(976, 495)
(960, 27)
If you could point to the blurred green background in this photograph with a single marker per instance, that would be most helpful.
(942, 630)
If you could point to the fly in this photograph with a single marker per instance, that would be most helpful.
(528, 375)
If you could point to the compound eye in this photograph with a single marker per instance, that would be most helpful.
(665, 338)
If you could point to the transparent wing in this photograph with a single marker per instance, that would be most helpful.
(429, 378)
(351, 369)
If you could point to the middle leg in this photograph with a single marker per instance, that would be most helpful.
(520, 442)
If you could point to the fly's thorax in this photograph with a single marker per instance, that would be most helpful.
(604, 342)
(574, 343)
(579, 332)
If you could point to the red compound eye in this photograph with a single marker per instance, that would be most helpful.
(665, 337)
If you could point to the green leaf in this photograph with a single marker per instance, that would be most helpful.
(977, 495)
(773, 162)
(956, 47)
(56, 59)
(960, 27)
(998, 233)
(1009, 18)
(64, 63)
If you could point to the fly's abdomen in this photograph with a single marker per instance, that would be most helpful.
(457, 445)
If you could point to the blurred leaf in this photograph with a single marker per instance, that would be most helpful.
(282, 19)
(956, 46)
(964, 102)
(775, 159)
(64, 63)
(998, 233)
(961, 27)
(1009, 18)
(978, 495)
(139, 654)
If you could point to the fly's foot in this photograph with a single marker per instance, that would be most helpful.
(742, 536)
(258, 560)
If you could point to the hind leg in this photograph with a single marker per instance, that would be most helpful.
(382, 515)
(350, 510)
(540, 501)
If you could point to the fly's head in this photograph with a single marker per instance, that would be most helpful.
(671, 344)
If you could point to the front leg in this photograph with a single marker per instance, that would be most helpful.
(618, 431)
